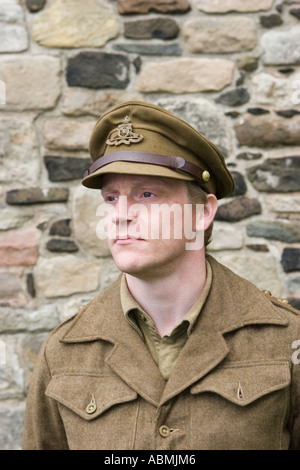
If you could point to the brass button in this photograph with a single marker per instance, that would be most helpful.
(91, 407)
(284, 301)
(205, 176)
(267, 292)
(164, 431)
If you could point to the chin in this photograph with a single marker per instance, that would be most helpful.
(128, 265)
(134, 266)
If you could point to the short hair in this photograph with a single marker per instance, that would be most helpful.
(197, 195)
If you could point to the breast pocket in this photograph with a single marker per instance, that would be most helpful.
(243, 406)
(98, 412)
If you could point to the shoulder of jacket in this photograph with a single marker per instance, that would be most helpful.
(281, 303)
(96, 305)
(65, 324)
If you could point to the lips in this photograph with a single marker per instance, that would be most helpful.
(126, 240)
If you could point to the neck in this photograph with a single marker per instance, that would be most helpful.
(168, 298)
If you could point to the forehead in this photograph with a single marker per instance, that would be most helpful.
(116, 180)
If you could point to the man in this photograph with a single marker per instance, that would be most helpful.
(179, 353)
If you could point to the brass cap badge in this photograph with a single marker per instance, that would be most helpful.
(125, 134)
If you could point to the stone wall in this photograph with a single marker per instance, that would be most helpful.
(229, 67)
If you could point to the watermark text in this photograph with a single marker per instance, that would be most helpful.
(152, 222)
(296, 354)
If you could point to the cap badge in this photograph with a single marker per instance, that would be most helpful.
(125, 134)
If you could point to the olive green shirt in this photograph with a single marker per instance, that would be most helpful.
(166, 349)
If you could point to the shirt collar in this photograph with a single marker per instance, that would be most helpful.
(130, 305)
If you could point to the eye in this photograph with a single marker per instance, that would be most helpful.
(110, 198)
(147, 194)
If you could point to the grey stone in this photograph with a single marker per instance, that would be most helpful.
(11, 218)
(257, 111)
(98, 70)
(226, 237)
(10, 12)
(288, 113)
(30, 284)
(159, 28)
(240, 186)
(66, 168)
(276, 175)
(30, 346)
(137, 62)
(234, 97)
(35, 5)
(295, 302)
(16, 133)
(292, 283)
(61, 246)
(11, 292)
(13, 320)
(291, 259)
(12, 417)
(13, 38)
(37, 195)
(61, 228)
(238, 209)
(286, 204)
(295, 12)
(281, 231)
(249, 156)
(269, 21)
(11, 373)
(150, 49)
(281, 47)
(249, 63)
(268, 130)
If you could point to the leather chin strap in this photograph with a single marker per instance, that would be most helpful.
(176, 163)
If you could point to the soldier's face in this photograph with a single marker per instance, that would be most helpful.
(146, 223)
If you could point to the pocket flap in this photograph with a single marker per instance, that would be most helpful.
(242, 384)
(89, 396)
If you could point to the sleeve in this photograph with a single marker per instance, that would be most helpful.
(295, 395)
(43, 426)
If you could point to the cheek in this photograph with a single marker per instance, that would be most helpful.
(109, 226)
(166, 222)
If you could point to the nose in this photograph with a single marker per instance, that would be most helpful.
(122, 210)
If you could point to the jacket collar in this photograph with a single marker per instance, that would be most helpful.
(231, 304)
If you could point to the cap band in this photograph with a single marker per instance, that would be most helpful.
(177, 163)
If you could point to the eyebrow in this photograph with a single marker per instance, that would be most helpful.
(139, 183)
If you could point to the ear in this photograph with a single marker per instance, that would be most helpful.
(208, 213)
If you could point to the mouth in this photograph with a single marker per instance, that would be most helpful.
(126, 240)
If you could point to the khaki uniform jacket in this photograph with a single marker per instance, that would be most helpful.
(235, 384)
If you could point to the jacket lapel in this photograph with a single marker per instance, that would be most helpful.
(232, 303)
(103, 319)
